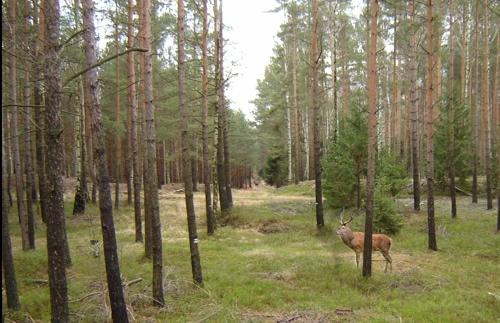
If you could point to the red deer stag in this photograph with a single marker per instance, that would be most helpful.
(355, 241)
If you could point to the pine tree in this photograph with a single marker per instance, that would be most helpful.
(118, 306)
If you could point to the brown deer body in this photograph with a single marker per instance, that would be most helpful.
(355, 241)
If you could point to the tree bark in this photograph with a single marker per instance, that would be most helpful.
(151, 179)
(225, 123)
(219, 84)
(14, 137)
(394, 106)
(206, 161)
(475, 108)
(39, 20)
(451, 103)
(28, 169)
(372, 137)
(187, 147)
(7, 260)
(6, 129)
(117, 139)
(58, 255)
(431, 227)
(413, 107)
(297, 121)
(485, 102)
(118, 306)
(81, 188)
(314, 66)
(133, 125)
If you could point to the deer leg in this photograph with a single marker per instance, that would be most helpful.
(388, 260)
(357, 260)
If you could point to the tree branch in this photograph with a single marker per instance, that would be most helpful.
(102, 62)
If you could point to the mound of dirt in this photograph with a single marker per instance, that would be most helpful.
(273, 226)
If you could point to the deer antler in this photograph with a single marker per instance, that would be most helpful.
(345, 223)
(341, 217)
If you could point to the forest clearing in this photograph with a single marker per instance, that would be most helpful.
(250, 161)
(268, 263)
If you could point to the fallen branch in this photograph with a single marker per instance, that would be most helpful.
(135, 281)
(40, 281)
(293, 318)
(180, 190)
(343, 311)
(462, 191)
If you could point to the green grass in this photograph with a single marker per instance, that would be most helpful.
(253, 275)
(303, 189)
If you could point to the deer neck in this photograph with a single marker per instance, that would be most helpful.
(347, 236)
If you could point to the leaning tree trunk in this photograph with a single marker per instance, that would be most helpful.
(56, 228)
(372, 137)
(133, 126)
(118, 306)
(7, 260)
(432, 244)
(151, 180)
(413, 107)
(187, 148)
(206, 161)
(314, 57)
(14, 136)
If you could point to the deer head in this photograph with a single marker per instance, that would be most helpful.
(343, 229)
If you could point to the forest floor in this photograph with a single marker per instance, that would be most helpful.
(267, 262)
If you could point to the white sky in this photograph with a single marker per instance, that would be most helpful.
(251, 33)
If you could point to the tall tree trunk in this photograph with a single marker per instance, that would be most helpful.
(28, 169)
(225, 123)
(431, 227)
(463, 53)
(81, 188)
(151, 179)
(314, 56)
(187, 147)
(133, 125)
(58, 255)
(297, 139)
(372, 137)
(9, 273)
(485, 106)
(219, 82)
(118, 306)
(148, 246)
(39, 20)
(475, 107)
(6, 128)
(117, 140)
(413, 107)
(206, 161)
(394, 106)
(451, 103)
(14, 136)
(496, 124)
